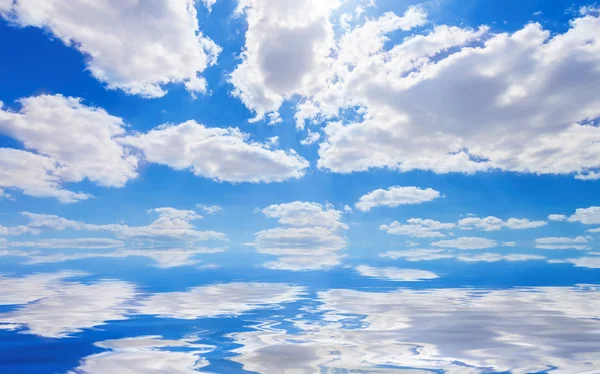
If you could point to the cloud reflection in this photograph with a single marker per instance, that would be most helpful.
(146, 354)
(456, 330)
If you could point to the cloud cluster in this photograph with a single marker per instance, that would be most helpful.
(132, 46)
(193, 146)
(419, 228)
(67, 141)
(492, 223)
(467, 242)
(308, 240)
(396, 274)
(396, 196)
(562, 243)
(445, 99)
(170, 225)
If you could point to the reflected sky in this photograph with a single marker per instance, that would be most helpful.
(384, 325)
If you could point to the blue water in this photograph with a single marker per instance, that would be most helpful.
(128, 316)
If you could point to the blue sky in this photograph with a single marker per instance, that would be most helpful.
(333, 145)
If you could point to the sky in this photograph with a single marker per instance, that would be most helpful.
(236, 186)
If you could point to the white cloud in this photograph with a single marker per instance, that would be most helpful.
(587, 216)
(415, 255)
(210, 209)
(495, 257)
(311, 138)
(492, 223)
(523, 223)
(218, 300)
(80, 243)
(34, 175)
(509, 244)
(417, 227)
(557, 217)
(561, 243)
(190, 145)
(17, 230)
(487, 224)
(128, 45)
(396, 274)
(209, 4)
(5, 195)
(466, 243)
(147, 354)
(300, 241)
(311, 241)
(588, 176)
(582, 262)
(163, 258)
(171, 224)
(287, 45)
(79, 138)
(72, 142)
(305, 214)
(56, 307)
(533, 94)
(395, 196)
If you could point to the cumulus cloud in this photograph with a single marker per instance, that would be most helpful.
(162, 258)
(287, 45)
(34, 175)
(201, 149)
(309, 239)
(587, 216)
(395, 196)
(523, 223)
(581, 262)
(127, 45)
(305, 214)
(69, 142)
(311, 138)
(210, 209)
(396, 274)
(466, 242)
(418, 227)
(301, 245)
(533, 90)
(492, 223)
(495, 257)
(557, 217)
(171, 224)
(561, 243)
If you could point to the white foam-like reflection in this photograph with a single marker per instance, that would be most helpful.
(146, 354)
(57, 305)
(455, 330)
